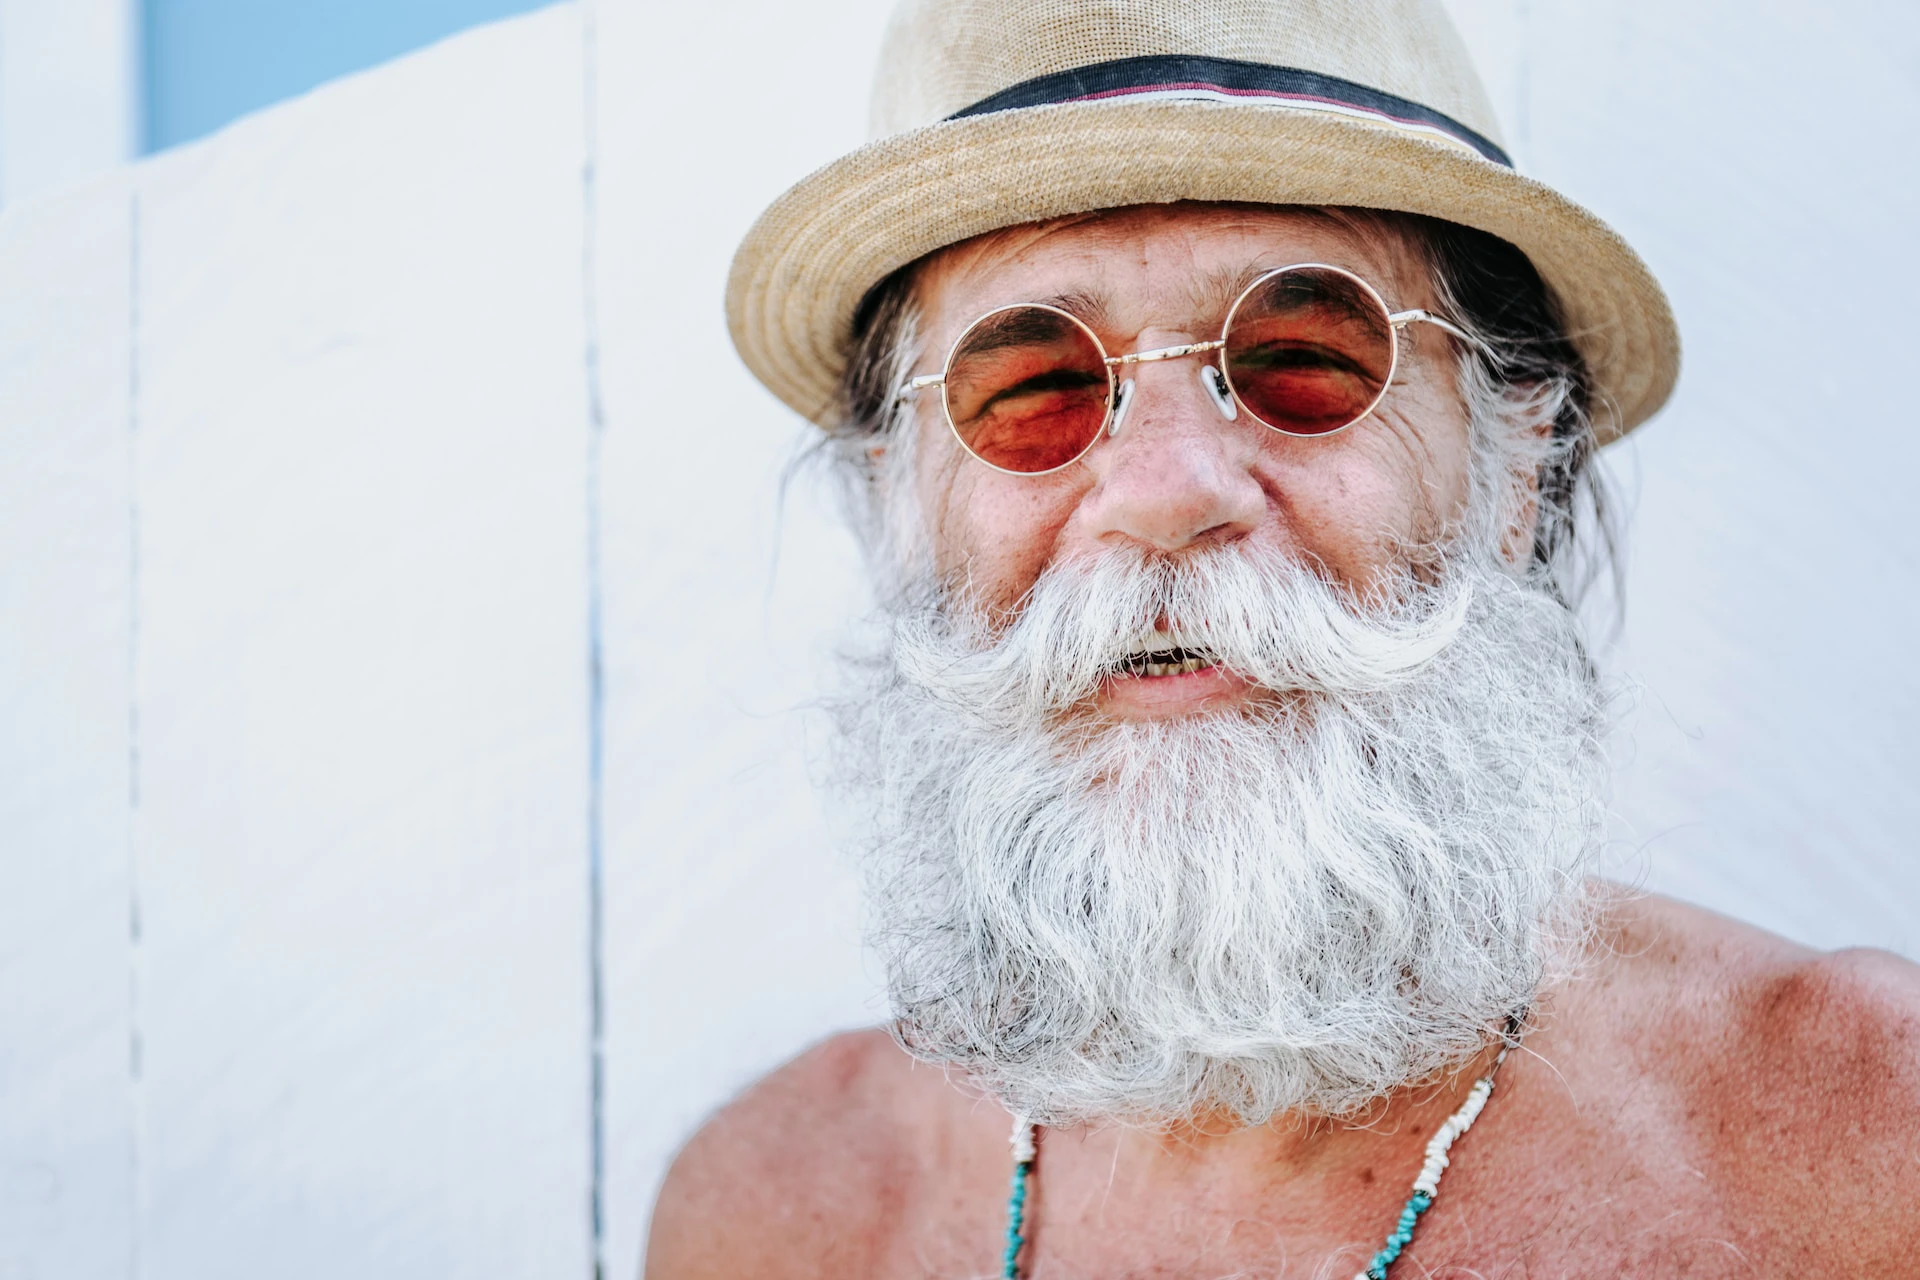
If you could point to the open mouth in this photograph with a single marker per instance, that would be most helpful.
(1166, 662)
(1169, 660)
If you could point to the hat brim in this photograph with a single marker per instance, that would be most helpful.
(803, 269)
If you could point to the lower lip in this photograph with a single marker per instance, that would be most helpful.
(1132, 697)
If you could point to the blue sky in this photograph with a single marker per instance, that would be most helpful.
(208, 61)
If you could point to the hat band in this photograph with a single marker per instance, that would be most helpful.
(1194, 78)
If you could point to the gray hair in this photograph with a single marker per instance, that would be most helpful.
(1528, 395)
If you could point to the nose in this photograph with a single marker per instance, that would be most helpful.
(1177, 473)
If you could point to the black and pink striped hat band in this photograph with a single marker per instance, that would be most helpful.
(1193, 78)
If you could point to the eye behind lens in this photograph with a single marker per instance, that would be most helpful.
(1309, 350)
(1027, 389)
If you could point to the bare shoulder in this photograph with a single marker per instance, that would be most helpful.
(1774, 998)
(1799, 1069)
(798, 1176)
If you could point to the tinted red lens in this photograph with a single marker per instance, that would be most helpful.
(1309, 350)
(1027, 389)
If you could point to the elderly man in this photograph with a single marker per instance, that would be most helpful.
(1216, 404)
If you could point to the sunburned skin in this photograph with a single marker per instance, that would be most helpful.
(1700, 1099)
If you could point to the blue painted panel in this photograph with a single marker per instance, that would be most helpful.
(210, 61)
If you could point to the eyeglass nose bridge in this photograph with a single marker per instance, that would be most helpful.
(1222, 400)
(1168, 353)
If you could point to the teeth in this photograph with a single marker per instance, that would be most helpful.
(1173, 652)
(1163, 642)
(1185, 666)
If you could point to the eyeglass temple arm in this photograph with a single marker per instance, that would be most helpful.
(1401, 319)
(920, 383)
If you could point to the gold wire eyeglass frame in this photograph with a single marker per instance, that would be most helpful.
(1225, 397)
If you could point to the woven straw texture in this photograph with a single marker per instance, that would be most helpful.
(928, 182)
(1404, 46)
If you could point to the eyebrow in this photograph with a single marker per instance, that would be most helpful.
(1218, 289)
(1089, 308)
(1012, 327)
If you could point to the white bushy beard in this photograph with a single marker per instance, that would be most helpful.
(1336, 890)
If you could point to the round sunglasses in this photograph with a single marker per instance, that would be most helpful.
(1307, 350)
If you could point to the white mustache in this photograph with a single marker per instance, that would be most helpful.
(1269, 619)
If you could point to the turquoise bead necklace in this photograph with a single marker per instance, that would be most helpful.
(1425, 1187)
(1023, 1154)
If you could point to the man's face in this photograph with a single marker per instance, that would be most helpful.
(1098, 901)
(1178, 477)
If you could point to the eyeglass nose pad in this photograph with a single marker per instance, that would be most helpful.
(1216, 384)
(1120, 407)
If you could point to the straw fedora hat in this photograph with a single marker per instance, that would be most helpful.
(992, 113)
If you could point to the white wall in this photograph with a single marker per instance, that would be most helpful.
(67, 1105)
(69, 91)
(361, 682)
(391, 585)
(1761, 158)
(732, 936)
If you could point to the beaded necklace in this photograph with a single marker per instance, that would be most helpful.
(1425, 1187)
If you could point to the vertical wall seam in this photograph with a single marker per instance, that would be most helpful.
(1523, 126)
(596, 680)
(136, 1048)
